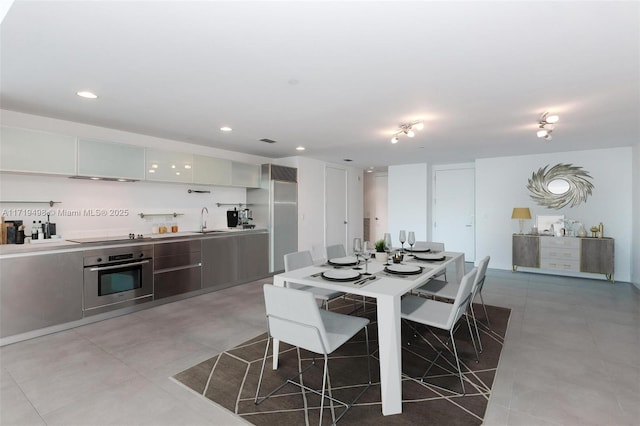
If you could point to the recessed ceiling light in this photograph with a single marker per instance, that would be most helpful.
(87, 94)
(369, 171)
(155, 166)
(95, 178)
(173, 166)
(226, 129)
(187, 166)
(151, 171)
(300, 148)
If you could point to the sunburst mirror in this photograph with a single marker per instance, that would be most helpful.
(561, 185)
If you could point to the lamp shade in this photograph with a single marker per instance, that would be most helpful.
(521, 213)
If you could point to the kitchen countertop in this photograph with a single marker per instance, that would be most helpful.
(18, 250)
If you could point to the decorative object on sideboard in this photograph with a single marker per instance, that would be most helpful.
(561, 185)
(546, 125)
(522, 214)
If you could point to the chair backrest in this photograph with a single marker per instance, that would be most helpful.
(463, 297)
(479, 281)
(335, 251)
(297, 260)
(293, 317)
(430, 245)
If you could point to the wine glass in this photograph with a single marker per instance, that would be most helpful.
(387, 245)
(357, 249)
(412, 239)
(402, 238)
(366, 249)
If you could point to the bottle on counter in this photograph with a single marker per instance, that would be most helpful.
(601, 230)
(34, 231)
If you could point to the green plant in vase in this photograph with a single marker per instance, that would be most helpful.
(380, 246)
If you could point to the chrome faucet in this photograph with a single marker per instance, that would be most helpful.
(203, 223)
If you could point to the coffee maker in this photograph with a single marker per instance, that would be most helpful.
(244, 219)
(232, 218)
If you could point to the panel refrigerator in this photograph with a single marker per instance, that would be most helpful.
(275, 206)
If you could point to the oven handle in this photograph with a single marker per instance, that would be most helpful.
(105, 268)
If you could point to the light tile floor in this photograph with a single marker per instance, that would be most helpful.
(571, 357)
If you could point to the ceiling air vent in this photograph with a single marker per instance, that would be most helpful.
(267, 140)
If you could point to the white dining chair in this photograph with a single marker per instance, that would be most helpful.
(441, 315)
(434, 247)
(335, 251)
(302, 259)
(449, 290)
(293, 317)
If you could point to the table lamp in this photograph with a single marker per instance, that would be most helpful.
(521, 213)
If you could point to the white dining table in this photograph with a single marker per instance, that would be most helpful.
(387, 289)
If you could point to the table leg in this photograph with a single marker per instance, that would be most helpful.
(278, 282)
(389, 340)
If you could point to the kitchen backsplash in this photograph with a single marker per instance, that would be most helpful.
(99, 208)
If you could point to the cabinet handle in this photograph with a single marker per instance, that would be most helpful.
(125, 265)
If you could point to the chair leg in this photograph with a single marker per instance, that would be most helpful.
(455, 352)
(473, 339)
(486, 315)
(475, 323)
(264, 360)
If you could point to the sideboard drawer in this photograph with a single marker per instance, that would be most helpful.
(560, 253)
(562, 264)
(560, 242)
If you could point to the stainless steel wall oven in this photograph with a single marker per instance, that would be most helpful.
(117, 277)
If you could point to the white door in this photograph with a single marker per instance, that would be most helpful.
(453, 210)
(379, 225)
(336, 207)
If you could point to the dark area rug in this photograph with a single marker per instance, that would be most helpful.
(230, 378)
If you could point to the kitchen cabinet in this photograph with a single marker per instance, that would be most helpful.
(219, 262)
(245, 175)
(176, 268)
(211, 170)
(168, 166)
(110, 160)
(589, 255)
(253, 257)
(234, 259)
(31, 151)
(39, 291)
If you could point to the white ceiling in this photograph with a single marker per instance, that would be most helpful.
(335, 77)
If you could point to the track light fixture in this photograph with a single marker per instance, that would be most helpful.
(407, 129)
(546, 124)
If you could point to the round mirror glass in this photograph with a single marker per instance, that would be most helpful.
(558, 186)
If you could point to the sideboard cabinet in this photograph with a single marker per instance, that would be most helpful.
(593, 255)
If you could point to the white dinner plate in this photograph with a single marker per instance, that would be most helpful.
(429, 256)
(403, 269)
(419, 250)
(344, 261)
(341, 275)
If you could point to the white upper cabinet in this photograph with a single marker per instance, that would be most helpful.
(168, 166)
(211, 170)
(32, 151)
(110, 160)
(246, 175)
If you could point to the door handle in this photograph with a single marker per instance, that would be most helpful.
(468, 226)
(345, 222)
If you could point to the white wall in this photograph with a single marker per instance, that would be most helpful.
(501, 186)
(77, 196)
(407, 198)
(635, 248)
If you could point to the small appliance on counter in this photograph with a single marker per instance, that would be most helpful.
(232, 218)
(245, 216)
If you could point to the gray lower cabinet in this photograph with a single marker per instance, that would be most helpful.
(597, 255)
(39, 291)
(234, 259)
(525, 251)
(177, 268)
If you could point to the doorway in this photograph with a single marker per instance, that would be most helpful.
(335, 206)
(454, 209)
